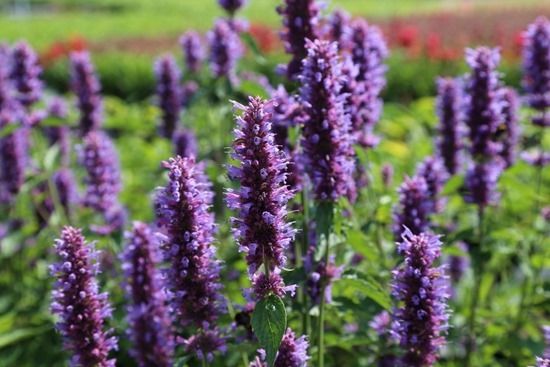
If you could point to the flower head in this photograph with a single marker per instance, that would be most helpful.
(183, 214)
(86, 86)
(260, 227)
(322, 276)
(368, 52)
(414, 207)
(338, 29)
(225, 50)
(82, 310)
(483, 111)
(150, 329)
(168, 77)
(450, 129)
(481, 183)
(420, 320)
(292, 352)
(13, 155)
(536, 68)
(300, 19)
(25, 74)
(508, 130)
(100, 159)
(326, 139)
(185, 143)
(193, 51)
(231, 6)
(435, 175)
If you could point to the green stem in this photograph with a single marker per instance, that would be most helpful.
(478, 268)
(204, 362)
(325, 228)
(301, 252)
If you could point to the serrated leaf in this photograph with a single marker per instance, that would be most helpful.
(269, 324)
(361, 244)
(356, 288)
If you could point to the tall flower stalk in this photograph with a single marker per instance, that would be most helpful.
(450, 130)
(193, 52)
(81, 309)
(183, 214)
(169, 94)
(225, 50)
(300, 18)
(326, 141)
(260, 228)
(25, 74)
(148, 317)
(483, 114)
(85, 84)
(13, 155)
(420, 320)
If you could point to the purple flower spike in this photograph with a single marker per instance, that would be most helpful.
(368, 52)
(508, 130)
(100, 159)
(387, 175)
(546, 330)
(381, 323)
(205, 344)
(327, 140)
(435, 175)
(292, 352)
(414, 207)
(420, 321)
(25, 74)
(169, 94)
(185, 143)
(76, 300)
(300, 19)
(86, 86)
(225, 50)
(260, 228)
(536, 69)
(481, 183)
(536, 157)
(13, 157)
(322, 276)
(543, 362)
(60, 134)
(450, 129)
(483, 105)
(338, 29)
(183, 214)
(231, 6)
(193, 51)
(150, 326)
(67, 192)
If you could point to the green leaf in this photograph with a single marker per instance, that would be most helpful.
(356, 288)
(20, 334)
(362, 244)
(269, 324)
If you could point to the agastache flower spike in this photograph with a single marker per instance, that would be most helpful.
(193, 51)
(86, 86)
(185, 143)
(368, 52)
(148, 317)
(420, 321)
(414, 207)
(536, 69)
(450, 129)
(183, 214)
(225, 50)
(231, 6)
(67, 193)
(13, 156)
(82, 310)
(483, 110)
(260, 228)
(100, 159)
(169, 97)
(25, 74)
(543, 362)
(508, 130)
(435, 175)
(292, 352)
(338, 29)
(300, 19)
(326, 140)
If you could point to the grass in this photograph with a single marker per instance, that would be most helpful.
(104, 20)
